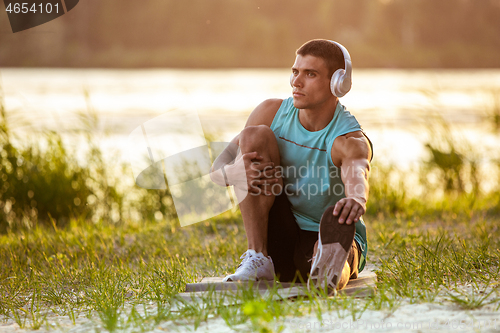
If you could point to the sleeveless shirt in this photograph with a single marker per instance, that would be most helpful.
(311, 180)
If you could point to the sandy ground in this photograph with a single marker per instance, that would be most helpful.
(442, 316)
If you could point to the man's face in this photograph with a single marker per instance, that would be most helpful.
(310, 82)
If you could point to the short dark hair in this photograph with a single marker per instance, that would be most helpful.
(328, 51)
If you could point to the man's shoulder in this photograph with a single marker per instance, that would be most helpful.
(345, 116)
(264, 113)
(272, 103)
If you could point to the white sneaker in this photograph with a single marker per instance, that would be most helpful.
(254, 267)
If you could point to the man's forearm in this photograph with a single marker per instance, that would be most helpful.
(356, 182)
(227, 156)
(217, 172)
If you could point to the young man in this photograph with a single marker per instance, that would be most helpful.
(306, 161)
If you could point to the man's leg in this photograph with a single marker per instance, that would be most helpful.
(351, 269)
(255, 208)
(283, 239)
(304, 252)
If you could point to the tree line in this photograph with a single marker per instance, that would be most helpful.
(259, 33)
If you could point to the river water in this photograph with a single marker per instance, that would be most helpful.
(397, 108)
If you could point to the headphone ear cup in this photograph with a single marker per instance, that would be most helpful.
(340, 83)
(336, 83)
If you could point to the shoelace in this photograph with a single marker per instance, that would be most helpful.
(254, 261)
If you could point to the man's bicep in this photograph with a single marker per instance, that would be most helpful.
(264, 113)
(355, 154)
(349, 147)
(355, 147)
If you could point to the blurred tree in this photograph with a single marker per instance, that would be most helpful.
(258, 33)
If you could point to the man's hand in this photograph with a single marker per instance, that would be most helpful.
(255, 176)
(350, 209)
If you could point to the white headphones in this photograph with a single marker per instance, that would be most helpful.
(340, 83)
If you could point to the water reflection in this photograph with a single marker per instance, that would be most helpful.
(393, 106)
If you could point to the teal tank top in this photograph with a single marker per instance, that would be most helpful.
(311, 181)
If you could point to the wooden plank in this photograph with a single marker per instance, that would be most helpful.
(364, 285)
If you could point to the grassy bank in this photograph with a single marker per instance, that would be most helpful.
(44, 184)
(112, 274)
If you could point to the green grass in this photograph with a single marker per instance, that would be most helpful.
(128, 276)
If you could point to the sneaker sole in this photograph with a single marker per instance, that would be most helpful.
(334, 243)
(246, 280)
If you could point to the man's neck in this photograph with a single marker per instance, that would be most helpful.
(315, 119)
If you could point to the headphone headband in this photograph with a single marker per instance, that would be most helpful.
(341, 82)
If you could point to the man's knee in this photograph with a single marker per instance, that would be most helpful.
(253, 137)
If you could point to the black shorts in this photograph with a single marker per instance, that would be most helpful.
(291, 248)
